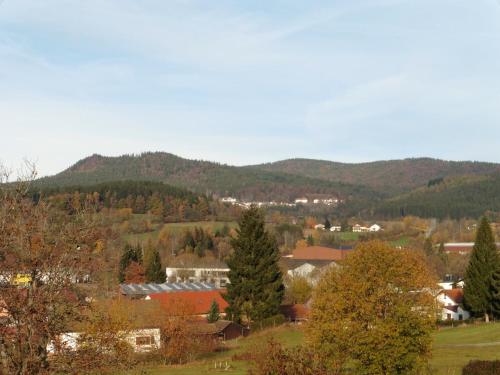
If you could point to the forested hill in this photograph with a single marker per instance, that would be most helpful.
(203, 177)
(392, 176)
(453, 197)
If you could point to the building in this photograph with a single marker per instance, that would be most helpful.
(142, 340)
(301, 200)
(462, 248)
(140, 291)
(221, 330)
(230, 200)
(451, 302)
(215, 276)
(193, 303)
(319, 227)
(375, 228)
(296, 313)
(335, 228)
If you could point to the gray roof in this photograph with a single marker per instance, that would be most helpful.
(144, 289)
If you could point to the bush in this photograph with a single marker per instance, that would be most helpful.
(272, 321)
(482, 368)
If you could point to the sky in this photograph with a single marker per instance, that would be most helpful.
(244, 82)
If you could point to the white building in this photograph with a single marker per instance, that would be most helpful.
(335, 228)
(230, 200)
(141, 340)
(216, 276)
(319, 227)
(451, 302)
(375, 228)
(301, 200)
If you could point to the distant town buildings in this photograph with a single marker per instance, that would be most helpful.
(215, 276)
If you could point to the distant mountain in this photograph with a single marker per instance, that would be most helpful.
(391, 176)
(203, 177)
(455, 197)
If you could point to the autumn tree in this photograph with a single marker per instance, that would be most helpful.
(131, 254)
(484, 262)
(298, 289)
(375, 312)
(256, 286)
(42, 252)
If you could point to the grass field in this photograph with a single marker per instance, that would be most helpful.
(453, 349)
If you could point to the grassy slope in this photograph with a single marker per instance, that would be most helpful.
(453, 349)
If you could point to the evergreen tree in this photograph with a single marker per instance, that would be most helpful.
(256, 286)
(428, 248)
(130, 254)
(213, 314)
(328, 225)
(154, 270)
(495, 292)
(484, 262)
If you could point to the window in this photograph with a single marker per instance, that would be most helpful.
(144, 340)
(448, 316)
(460, 317)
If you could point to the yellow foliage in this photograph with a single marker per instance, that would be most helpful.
(376, 311)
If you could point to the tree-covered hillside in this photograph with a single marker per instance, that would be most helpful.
(454, 198)
(391, 176)
(203, 177)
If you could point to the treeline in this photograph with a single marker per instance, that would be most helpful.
(448, 199)
(170, 203)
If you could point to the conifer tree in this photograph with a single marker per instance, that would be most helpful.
(484, 262)
(213, 314)
(256, 286)
(154, 270)
(130, 254)
(310, 240)
(495, 292)
(327, 224)
(428, 247)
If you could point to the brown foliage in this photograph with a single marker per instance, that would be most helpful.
(135, 273)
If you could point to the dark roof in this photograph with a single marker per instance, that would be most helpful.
(206, 328)
(145, 289)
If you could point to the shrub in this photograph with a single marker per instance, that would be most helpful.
(482, 368)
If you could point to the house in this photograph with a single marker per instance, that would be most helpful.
(461, 248)
(193, 303)
(375, 228)
(335, 228)
(217, 276)
(310, 269)
(319, 227)
(451, 302)
(358, 228)
(140, 291)
(141, 340)
(301, 200)
(230, 200)
(296, 313)
(222, 329)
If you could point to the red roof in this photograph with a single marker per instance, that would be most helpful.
(319, 253)
(198, 301)
(457, 295)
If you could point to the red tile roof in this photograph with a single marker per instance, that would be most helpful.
(457, 295)
(319, 253)
(199, 301)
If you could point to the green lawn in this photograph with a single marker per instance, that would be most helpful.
(348, 236)
(453, 349)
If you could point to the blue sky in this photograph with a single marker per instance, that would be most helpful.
(244, 82)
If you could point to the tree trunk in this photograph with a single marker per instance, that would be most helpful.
(486, 318)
